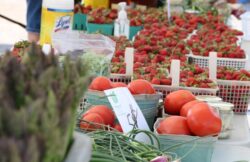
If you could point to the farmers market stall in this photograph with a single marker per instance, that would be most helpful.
(170, 88)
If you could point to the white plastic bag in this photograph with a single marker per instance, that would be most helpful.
(66, 42)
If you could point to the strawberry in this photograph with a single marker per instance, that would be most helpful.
(156, 81)
(163, 52)
(167, 81)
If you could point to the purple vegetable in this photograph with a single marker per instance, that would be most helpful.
(160, 159)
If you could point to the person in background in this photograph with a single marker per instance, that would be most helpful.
(33, 18)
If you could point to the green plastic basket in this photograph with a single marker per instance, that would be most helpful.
(189, 148)
(150, 115)
(80, 22)
(105, 29)
(134, 30)
(143, 101)
(147, 103)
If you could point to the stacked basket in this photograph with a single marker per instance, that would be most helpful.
(189, 148)
(147, 103)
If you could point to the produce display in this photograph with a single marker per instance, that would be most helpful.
(114, 146)
(175, 100)
(118, 65)
(100, 114)
(102, 16)
(196, 117)
(20, 48)
(98, 65)
(38, 106)
(40, 94)
(227, 73)
(219, 38)
(82, 9)
(136, 87)
(234, 87)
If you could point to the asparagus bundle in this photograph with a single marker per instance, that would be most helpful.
(38, 101)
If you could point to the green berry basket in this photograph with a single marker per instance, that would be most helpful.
(144, 101)
(105, 29)
(134, 30)
(189, 148)
(79, 21)
(147, 103)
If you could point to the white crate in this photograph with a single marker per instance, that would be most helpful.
(120, 78)
(235, 92)
(235, 63)
(165, 90)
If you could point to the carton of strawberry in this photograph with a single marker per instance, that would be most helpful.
(82, 9)
(234, 87)
(219, 38)
(101, 20)
(102, 16)
(80, 16)
(228, 73)
(19, 49)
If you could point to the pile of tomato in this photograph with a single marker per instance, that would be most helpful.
(193, 117)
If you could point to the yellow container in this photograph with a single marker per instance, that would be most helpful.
(56, 16)
(96, 3)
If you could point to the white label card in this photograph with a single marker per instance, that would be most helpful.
(127, 111)
(213, 66)
(175, 72)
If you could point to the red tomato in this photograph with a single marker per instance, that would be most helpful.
(185, 108)
(118, 127)
(105, 112)
(203, 120)
(175, 100)
(93, 118)
(141, 86)
(118, 84)
(101, 84)
(174, 125)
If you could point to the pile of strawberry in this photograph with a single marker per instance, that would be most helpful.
(191, 75)
(20, 48)
(158, 42)
(102, 16)
(118, 66)
(216, 37)
(227, 73)
(136, 17)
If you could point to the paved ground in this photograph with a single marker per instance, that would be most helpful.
(9, 32)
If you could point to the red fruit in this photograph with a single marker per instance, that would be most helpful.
(163, 52)
(119, 53)
(185, 108)
(167, 81)
(115, 59)
(92, 118)
(156, 81)
(118, 128)
(174, 125)
(175, 100)
(122, 70)
(101, 84)
(105, 112)
(118, 84)
(141, 86)
(203, 120)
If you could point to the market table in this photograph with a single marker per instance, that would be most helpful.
(224, 153)
(237, 147)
